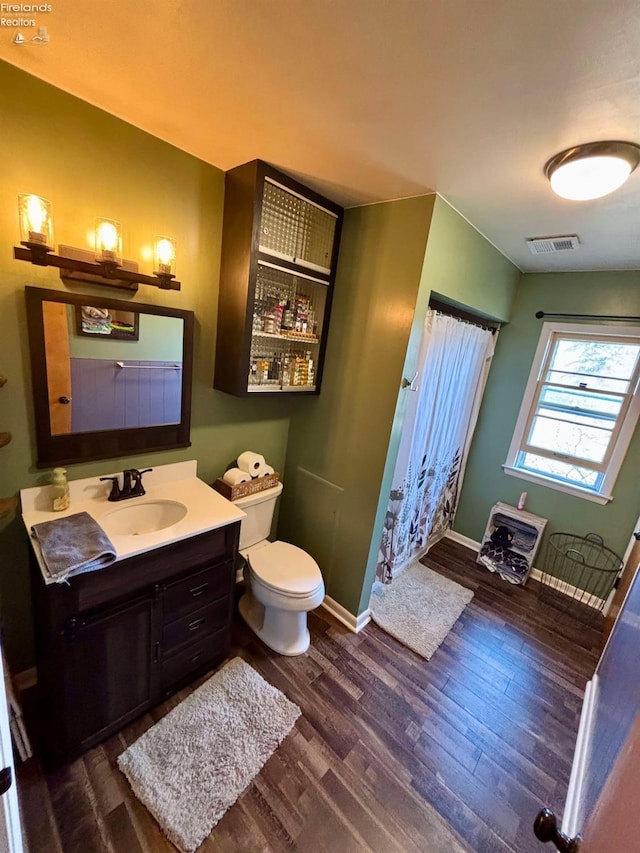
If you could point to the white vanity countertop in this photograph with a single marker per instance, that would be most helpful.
(206, 508)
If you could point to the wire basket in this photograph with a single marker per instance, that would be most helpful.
(579, 573)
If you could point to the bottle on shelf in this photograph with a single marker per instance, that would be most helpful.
(287, 317)
(310, 373)
(285, 371)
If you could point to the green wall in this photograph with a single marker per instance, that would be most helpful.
(343, 445)
(338, 441)
(461, 266)
(90, 164)
(485, 482)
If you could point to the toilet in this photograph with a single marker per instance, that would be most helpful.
(284, 582)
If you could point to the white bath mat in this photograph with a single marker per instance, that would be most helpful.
(193, 764)
(419, 607)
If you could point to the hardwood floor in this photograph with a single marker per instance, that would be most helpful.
(484, 732)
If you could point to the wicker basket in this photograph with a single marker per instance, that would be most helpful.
(242, 490)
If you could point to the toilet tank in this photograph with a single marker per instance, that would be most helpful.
(259, 509)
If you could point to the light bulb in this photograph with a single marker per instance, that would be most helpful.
(164, 256)
(108, 241)
(35, 213)
(36, 226)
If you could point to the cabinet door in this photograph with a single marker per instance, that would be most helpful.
(295, 228)
(109, 669)
(287, 327)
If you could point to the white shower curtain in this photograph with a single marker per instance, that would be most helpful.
(438, 423)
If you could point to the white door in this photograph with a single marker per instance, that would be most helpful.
(603, 803)
(10, 830)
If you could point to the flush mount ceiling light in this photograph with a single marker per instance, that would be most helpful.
(592, 170)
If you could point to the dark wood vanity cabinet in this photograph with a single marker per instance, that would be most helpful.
(280, 244)
(112, 644)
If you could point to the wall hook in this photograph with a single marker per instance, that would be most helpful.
(410, 383)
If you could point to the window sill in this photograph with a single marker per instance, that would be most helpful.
(576, 491)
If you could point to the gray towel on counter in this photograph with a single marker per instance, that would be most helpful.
(73, 545)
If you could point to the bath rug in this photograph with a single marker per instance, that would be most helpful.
(419, 607)
(192, 765)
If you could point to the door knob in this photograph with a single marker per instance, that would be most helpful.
(5, 780)
(65, 400)
(545, 828)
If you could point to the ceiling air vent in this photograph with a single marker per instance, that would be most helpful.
(548, 245)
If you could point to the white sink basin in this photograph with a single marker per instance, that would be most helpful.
(140, 518)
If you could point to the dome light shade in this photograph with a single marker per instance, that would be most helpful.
(592, 170)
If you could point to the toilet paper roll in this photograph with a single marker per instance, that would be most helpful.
(234, 476)
(267, 470)
(252, 463)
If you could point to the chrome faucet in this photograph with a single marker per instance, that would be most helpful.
(131, 484)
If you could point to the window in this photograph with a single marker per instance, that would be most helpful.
(579, 410)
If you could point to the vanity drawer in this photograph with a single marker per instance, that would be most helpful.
(195, 656)
(195, 591)
(193, 625)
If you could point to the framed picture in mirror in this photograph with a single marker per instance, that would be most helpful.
(107, 323)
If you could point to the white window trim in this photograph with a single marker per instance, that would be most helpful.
(626, 431)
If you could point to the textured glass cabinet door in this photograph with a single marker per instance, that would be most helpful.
(296, 229)
(288, 316)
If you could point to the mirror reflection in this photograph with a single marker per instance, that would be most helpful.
(111, 369)
(110, 377)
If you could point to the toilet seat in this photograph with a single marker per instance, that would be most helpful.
(286, 569)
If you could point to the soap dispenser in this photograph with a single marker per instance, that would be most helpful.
(60, 490)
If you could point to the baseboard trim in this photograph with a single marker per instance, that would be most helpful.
(536, 574)
(462, 540)
(353, 623)
(26, 679)
(567, 589)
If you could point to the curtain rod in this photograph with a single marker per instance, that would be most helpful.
(541, 314)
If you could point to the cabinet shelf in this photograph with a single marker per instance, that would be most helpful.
(294, 260)
(279, 252)
(290, 389)
(285, 337)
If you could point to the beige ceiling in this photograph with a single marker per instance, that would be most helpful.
(369, 100)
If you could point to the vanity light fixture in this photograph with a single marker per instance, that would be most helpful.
(592, 170)
(164, 256)
(104, 266)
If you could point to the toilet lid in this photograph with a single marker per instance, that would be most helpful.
(286, 568)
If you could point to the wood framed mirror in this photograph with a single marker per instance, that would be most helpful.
(106, 393)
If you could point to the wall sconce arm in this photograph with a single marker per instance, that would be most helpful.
(75, 266)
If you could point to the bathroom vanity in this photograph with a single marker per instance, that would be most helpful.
(113, 643)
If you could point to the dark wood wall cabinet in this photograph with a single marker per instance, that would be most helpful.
(114, 643)
(280, 245)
